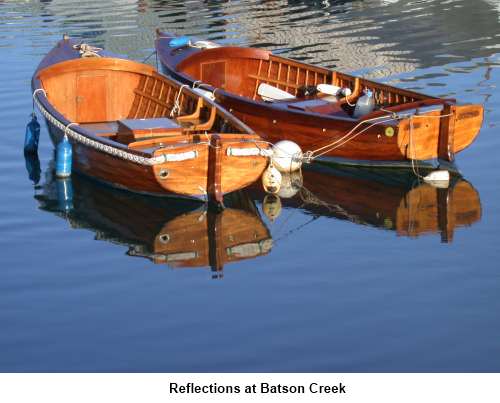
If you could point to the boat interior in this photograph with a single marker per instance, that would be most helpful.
(130, 103)
(251, 72)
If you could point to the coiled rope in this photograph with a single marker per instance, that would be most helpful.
(87, 50)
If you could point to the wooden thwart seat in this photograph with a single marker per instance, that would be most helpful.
(130, 130)
(194, 121)
(102, 129)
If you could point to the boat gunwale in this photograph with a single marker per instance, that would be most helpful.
(279, 107)
(78, 64)
(75, 126)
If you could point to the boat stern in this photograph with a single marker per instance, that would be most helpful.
(439, 133)
(216, 165)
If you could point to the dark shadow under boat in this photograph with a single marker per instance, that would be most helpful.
(395, 201)
(179, 233)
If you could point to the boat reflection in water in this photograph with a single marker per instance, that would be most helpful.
(183, 233)
(394, 200)
(179, 233)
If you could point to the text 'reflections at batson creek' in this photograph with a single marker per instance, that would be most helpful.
(261, 387)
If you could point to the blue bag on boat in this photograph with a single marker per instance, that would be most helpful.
(179, 42)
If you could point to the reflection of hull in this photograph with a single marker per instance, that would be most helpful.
(181, 234)
(394, 202)
(204, 238)
(438, 210)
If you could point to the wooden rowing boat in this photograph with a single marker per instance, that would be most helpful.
(175, 232)
(396, 202)
(404, 125)
(136, 129)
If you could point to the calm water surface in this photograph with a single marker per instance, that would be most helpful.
(359, 271)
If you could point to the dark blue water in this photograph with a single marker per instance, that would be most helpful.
(359, 271)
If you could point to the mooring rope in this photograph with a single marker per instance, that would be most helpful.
(177, 107)
(87, 50)
(345, 138)
(149, 57)
(68, 126)
(411, 141)
(351, 134)
(34, 94)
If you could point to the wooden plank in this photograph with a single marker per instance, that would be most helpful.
(273, 81)
(166, 104)
(269, 69)
(279, 71)
(287, 78)
(446, 133)
(141, 95)
(150, 98)
(293, 63)
(94, 63)
(257, 80)
(146, 113)
(214, 177)
(91, 98)
(155, 113)
(334, 78)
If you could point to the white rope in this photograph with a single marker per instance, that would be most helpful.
(33, 97)
(411, 142)
(67, 128)
(412, 147)
(105, 148)
(177, 107)
(342, 140)
(87, 50)
(311, 155)
(116, 152)
(39, 90)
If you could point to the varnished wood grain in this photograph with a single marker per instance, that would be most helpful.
(446, 141)
(214, 177)
(104, 90)
(245, 69)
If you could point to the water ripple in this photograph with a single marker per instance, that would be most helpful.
(71, 303)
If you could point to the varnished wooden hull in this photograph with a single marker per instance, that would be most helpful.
(236, 73)
(114, 171)
(314, 132)
(195, 160)
(185, 178)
